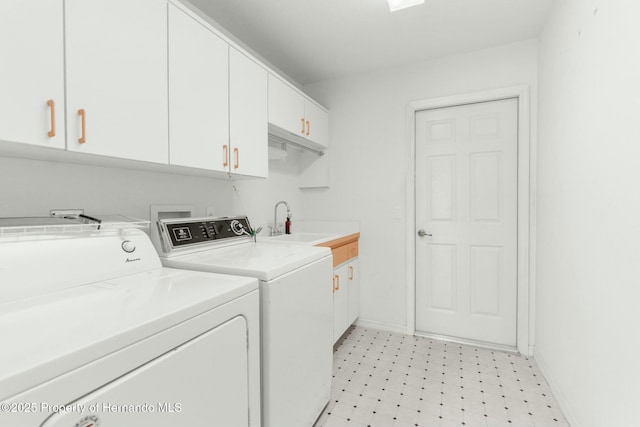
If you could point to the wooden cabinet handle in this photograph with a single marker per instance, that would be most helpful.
(236, 152)
(83, 135)
(350, 272)
(337, 281)
(225, 149)
(52, 108)
(302, 120)
(308, 128)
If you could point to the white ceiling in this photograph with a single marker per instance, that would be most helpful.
(314, 40)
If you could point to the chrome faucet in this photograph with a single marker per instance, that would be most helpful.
(275, 231)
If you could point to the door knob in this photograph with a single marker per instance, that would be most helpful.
(423, 233)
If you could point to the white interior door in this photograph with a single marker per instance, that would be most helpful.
(466, 216)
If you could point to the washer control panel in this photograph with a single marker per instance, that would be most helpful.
(193, 231)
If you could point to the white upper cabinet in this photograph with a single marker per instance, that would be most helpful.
(144, 80)
(198, 95)
(294, 113)
(248, 116)
(116, 55)
(286, 106)
(316, 123)
(32, 72)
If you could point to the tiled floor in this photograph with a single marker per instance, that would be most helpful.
(383, 379)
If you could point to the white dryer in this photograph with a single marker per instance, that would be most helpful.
(296, 302)
(95, 332)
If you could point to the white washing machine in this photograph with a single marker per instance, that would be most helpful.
(96, 333)
(296, 303)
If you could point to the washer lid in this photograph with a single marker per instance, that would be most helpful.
(37, 263)
(262, 260)
(48, 335)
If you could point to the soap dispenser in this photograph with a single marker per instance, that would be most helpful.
(287, 224)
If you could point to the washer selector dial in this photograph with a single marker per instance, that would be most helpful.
(237, 227)
(128, 246)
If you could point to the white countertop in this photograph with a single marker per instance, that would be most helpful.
(343, 228)
(316, 232)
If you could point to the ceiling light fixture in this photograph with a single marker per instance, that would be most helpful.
(403, 4)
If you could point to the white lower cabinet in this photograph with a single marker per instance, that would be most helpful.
(345, 297)
(346, 292)
(340, 301)
(354, 291)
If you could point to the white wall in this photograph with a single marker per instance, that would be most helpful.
(32, 187)
(257, 197)
(369, 156)
(588, 256)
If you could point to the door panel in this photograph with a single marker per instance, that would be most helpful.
(441, 131)
(485, 126)
(466, 201)
(442, 277)
(442, 196)
(485, 187)
(485, 280)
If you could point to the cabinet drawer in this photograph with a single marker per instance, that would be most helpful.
(340, 255)
(343, 249)
(353, 249)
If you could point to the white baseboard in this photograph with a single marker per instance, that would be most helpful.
(473, 343)
(555, 389)
(382, 326)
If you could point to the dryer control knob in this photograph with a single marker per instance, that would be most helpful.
(128, 246)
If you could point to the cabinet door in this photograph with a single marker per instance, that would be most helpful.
(32, 72)
(316, 123)
(340, 301)
(248, 116)
(198, 94)
(353, 290)
(286, 107)
(116, 57)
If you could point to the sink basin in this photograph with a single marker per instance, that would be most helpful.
(302, 237)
